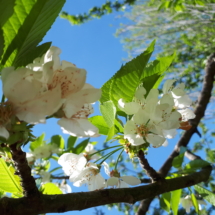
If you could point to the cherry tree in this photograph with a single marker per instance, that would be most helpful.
(138, 111)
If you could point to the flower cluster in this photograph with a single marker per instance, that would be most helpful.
(187, 203)
(82, 172)
(155, 119)
(48, 87)
(43, 151)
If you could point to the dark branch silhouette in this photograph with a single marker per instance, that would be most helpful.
(83, 200)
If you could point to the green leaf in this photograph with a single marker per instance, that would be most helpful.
(27, 27)
(7, 10)
(38, 142)
(8, 182)
(51, 189)
(178, 160)
(205, 194)
(195, 203)
(175, 199)
(81, 146)
(71, 142)
(153, 71)
(111, 133)
(118, 126)
(125, 82)
(58, 140)
(165, 201)
(5, 14)
(108, 111)
(100, 123)
(196, 164)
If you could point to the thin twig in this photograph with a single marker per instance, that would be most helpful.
(145, 165)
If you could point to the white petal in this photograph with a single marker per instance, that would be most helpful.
(112, 181)
(106, 168)
(169, 134)
(141, 91)
(187, 114)
(131, 180)
(153, 94)
(78, 127)
(89, 147)
(167, 85)
(155, 140)
(165, 143)
(122, 184)
(183, 102)
(96, 183)
(4, 133)
(129, 108)
(166, 98)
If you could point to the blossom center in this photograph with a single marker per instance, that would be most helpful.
(142, 130)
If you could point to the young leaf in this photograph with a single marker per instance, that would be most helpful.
(27, 27)
(125, 82)
(153, 71)
(165, 201)
(81, 146)
(111, 133)
(71, 142)
(8, 182)
(58, 140)
(175, 199)
(205, 194)
(5, 14)
(178, 160)
(38, 142)
(7, 10)
(195, 203)
(51, 189)
(196, 164)
(108, 111)
(100, 123)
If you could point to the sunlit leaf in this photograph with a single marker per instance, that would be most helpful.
(38, 142)
(51, 189)
(205, 194)
(175, 199)
(26, 29)
(8, 182)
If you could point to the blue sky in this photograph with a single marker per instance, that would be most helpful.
(94, 47)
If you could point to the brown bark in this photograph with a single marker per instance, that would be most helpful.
(84, 200)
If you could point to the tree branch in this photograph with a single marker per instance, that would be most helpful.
(145, 165)
(84, 200)
(24, 171)
(199, 111)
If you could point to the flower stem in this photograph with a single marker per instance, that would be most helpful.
(104, 150)
(107, 156)
(118, 158)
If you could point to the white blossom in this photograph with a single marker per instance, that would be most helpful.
(45, 151)
(118, 181)
(187, 203)
(72, 164)
(78, 124)
(45, 176)
(65, 188)
(90, 176)
(24, 94)
(90, 150)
